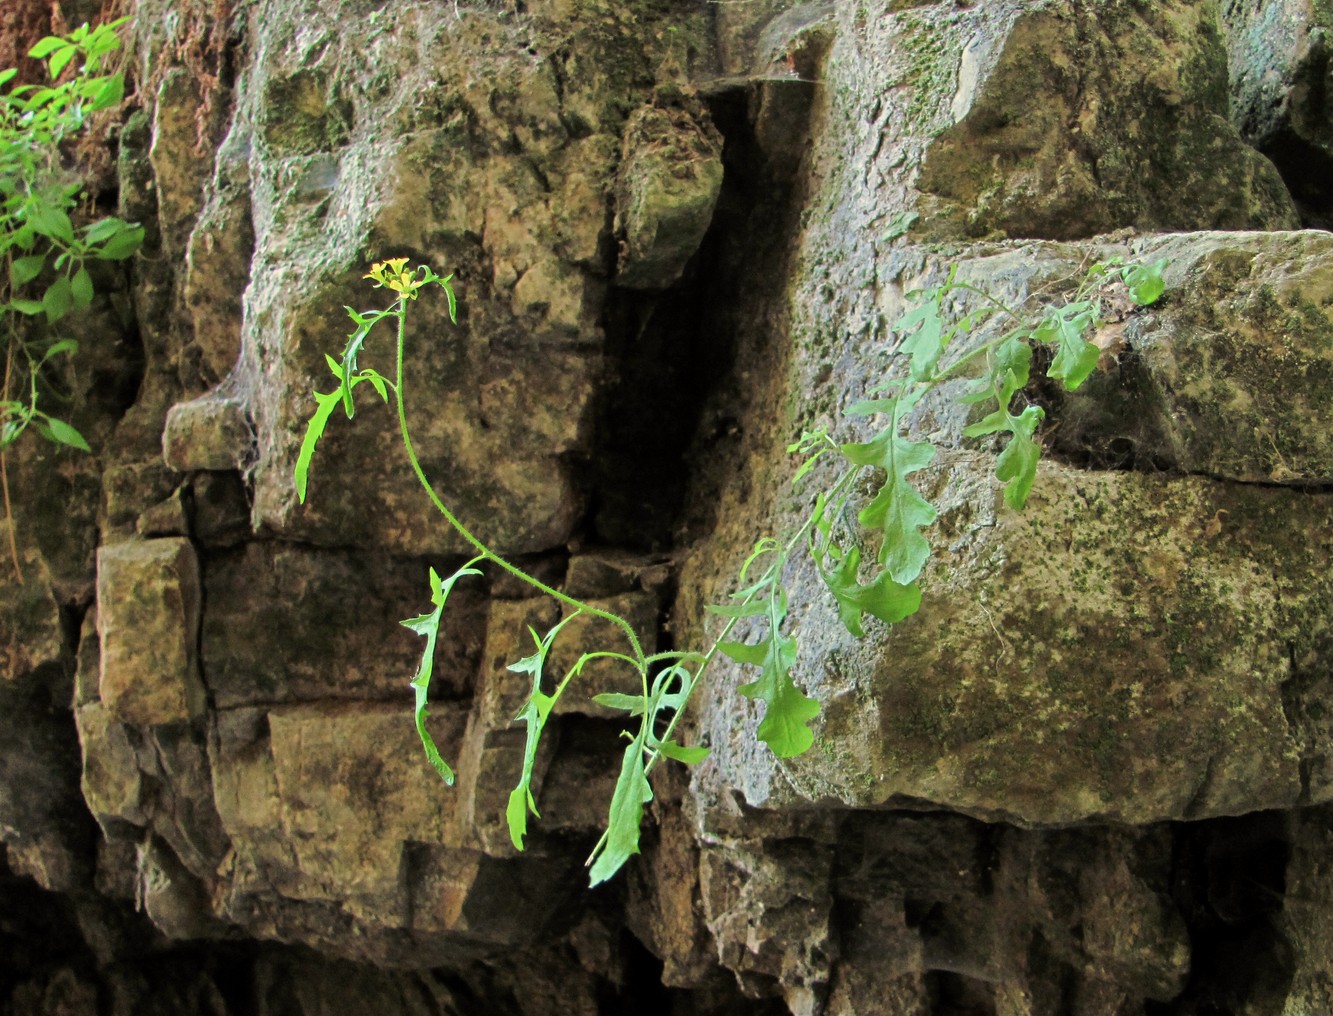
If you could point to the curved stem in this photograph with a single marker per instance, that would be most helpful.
(481, 548)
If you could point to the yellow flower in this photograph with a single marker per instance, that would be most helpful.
(394, 275)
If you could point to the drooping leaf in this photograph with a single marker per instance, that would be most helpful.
(1075, 357)
(898, 508)
(325, 403)
(57, 299)
(429, 626)
(881, 597)
(1016, 466)
(625, 817)
(1145, 282)
(534, 714)
(81, 288)
(787, 709)
(62, 432)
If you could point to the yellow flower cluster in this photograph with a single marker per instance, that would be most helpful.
(393, 274)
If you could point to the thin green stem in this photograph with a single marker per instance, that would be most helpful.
(709, 656)
(481, 548)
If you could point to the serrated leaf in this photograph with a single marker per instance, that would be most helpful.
(1076, 357)
(881, 597)
(625, 817)
(325, 403)
(428, 625)
(898, 508)
(349, 366)
(62, 432)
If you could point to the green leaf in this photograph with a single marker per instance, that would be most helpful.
(626, 815)
(1016, 466)
(751, 608)
(690, 756)
(46, 46)
(122, 244)
(882, 597)
(926, 340)
(26, 269)
(62, 432)
(1145, 282)
(349, 368)
(1075, 357)
(57, 299)
(534, 714)
(325, 403)
(632, 704)
(29, 307)
(784, 726)
(103, 229)
(429, 626)
(51, 221)
(109, 94)
(377, 381)
(898, 508)
(60, 58)
(81, 288)
(60, 348)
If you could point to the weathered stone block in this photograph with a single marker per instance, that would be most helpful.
(670, 177)
(148, 621)
(208, 433)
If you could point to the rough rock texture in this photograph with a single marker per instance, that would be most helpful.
(1091, 776)
(1279, 80)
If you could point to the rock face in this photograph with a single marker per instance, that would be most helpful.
(1090, 776)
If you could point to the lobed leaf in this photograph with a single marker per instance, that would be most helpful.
(1076, 357)
(898, 508)
(1016, 466)
(881, 597)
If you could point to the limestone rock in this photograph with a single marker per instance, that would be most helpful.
(148, 621)
(207, 433)
(670, 177)
(1277, 53)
